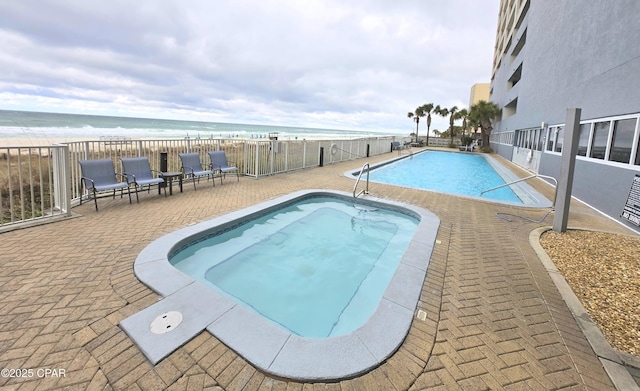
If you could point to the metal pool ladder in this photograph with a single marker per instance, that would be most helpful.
(366, 189)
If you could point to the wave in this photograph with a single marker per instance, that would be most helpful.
(70, 126)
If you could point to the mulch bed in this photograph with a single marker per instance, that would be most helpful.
(604, 272)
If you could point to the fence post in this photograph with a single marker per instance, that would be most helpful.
(257, 146)
(286, 156)
(272, 156)
(304, 154)
(86, 150)
(61, 179)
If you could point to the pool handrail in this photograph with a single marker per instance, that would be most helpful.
(355, 187)
(553, 203)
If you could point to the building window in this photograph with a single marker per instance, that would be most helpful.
(622, 141)
(614, 140)
(637, 162)
(583, 140)
(599, 140)
(559, 139)
(510, 109)
(515, 77)
(551, 135)
(519, 45)
(540, 140)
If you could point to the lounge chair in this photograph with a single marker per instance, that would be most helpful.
(219, 163)
(396, 146)
(100, 175)
(138, 171)
(191, 166)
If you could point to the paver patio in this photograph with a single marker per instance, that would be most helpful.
(495, 320)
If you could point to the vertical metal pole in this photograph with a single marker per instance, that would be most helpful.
(321, 157)
(257, 144)
(66, 161)
(565, 182)
(61, 178)
(304, 154)
(58, 179)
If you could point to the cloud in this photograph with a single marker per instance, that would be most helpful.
(333, 64)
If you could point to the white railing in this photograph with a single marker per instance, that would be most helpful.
(34, 184)
(365, 191)
(443, 142)
(41, 182)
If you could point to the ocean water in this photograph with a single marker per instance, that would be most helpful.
(55, 126)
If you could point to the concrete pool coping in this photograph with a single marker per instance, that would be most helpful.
(529, 196)
(266, 345)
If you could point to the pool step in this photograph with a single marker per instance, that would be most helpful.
(142, 326)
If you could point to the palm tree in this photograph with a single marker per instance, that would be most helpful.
(443, 111)
(416, 117)
(473, 123)
(462, 114)
(428, 109)
(483, 114)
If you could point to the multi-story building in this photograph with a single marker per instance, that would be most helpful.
(554, 55)
(479, 91)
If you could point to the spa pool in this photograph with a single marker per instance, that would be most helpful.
(315, 285)
(317, 267)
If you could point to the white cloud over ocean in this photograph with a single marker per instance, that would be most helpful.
(331, 64)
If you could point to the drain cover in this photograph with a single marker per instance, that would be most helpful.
(166, 322)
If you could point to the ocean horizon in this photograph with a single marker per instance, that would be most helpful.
(45, 127)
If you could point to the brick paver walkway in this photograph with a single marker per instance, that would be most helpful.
(495, 320)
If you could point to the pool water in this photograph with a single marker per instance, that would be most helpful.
(318, 267)
(448, 172)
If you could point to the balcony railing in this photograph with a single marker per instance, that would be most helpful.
(34, 183)
(38, 183)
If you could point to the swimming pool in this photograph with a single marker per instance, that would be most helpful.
(458, 173)
(373, 329)
(317, 267)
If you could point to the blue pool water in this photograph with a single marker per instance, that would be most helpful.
(448, 172)
(318, 267)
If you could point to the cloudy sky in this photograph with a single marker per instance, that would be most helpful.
(360, 64)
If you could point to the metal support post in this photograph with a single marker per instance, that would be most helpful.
(565, 181)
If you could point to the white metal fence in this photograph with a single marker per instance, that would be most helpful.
(34, 183)
(43, 182)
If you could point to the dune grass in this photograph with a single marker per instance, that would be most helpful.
(25, 186)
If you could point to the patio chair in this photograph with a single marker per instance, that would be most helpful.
(219, 163)
(100, 175)
(138, 171)
(396, 146)
(191, 166)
